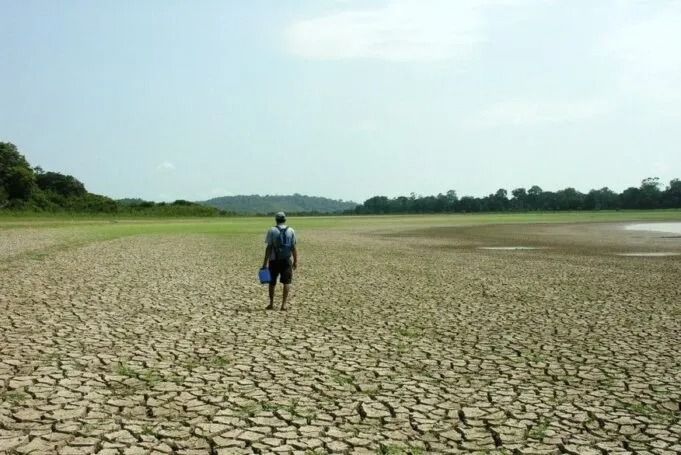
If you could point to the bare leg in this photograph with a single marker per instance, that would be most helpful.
(272, 287)
(283, 301)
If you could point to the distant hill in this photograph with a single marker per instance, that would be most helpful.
(296, 203)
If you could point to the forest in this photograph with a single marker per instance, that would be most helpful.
(648, 195)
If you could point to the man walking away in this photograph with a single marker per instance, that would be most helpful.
(281, 247)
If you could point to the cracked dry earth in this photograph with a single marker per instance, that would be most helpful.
(160, 344)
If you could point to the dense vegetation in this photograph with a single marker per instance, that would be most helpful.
(24, 188)
(648, 195)
(294, 204)
(178, 208)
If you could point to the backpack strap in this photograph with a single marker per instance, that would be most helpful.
(282, 239)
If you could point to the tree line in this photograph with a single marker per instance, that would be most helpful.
(25, 188)
(649, 195)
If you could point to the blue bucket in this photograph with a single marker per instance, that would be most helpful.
(264, 276)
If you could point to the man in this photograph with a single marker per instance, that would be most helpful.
(281, 247)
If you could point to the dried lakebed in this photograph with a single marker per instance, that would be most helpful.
(159, 344)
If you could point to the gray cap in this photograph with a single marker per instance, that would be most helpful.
(280, 216)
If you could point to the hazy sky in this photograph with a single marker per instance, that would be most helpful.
(345, 99)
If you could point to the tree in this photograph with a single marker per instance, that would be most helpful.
(19, 183)
(10, 157)
(63, 185)
(431, 204)
(672, 194)
(547, 201)
(469, 204)
(534, 197)
(603, 199)
(441, 203)
(17, 180)
(377, 204)
(519, 200)
(650, 194)
(452, 199)
(631, 198)
(498, 201)
(569, 199)
(401, 204)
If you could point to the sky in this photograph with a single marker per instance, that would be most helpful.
(169, 99)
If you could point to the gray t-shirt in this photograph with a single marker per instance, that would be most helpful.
(273, 233)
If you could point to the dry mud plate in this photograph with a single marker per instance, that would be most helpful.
(159, 344)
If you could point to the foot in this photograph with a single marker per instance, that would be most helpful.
(283, 308)
(270, 307)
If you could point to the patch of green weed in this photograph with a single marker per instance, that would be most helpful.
(402, 347)
(342, 379)
(220, 362)
(410, 332)
(249, 410)
(391, 449)
(124, 370)
(535, 357)
(38, 256)
(151, 377)
(147, 430)
(191, 363)
(651, 412)
(13, 396)
(539, 431)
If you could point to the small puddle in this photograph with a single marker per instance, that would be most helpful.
(510, 248)
(669, 228)
(656, 254)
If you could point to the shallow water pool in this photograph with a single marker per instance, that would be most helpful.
(652, 254)
(510, 248)
(670, 228)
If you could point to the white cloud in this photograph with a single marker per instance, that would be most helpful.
(521, 112)
(645, 48)
(166, 166)
(402, 30)
(642, 45)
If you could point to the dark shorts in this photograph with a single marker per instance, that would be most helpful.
(281, 268)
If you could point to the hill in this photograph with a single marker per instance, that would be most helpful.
(296, 203)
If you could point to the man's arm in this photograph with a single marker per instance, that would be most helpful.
(268, 251)
(295, 257)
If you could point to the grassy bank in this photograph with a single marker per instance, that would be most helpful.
(102, 227)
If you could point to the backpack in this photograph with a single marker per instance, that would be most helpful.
(283, 244)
